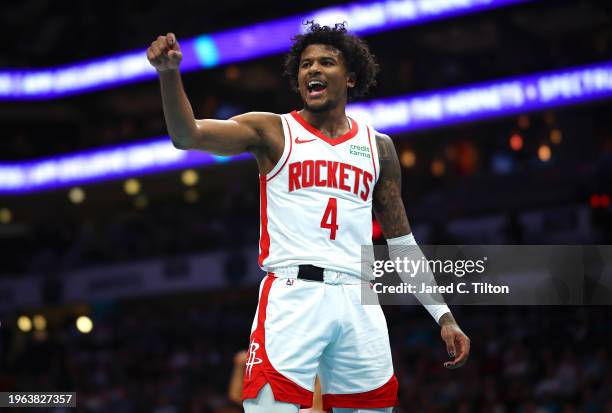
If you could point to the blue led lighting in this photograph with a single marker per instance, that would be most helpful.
(394, 115)
(233, 45)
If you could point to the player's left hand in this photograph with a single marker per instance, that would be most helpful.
(457, 345)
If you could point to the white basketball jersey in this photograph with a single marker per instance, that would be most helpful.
(316, 203)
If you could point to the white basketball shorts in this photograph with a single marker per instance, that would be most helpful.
(303, 328)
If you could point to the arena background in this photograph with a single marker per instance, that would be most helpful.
(163, 263)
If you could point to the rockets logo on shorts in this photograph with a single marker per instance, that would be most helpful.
(316, 203)
(252, 359)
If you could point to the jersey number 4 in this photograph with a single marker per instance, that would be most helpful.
(330, 217)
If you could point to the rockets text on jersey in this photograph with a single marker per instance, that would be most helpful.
(316, 203)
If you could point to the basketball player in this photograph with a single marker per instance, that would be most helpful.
(321, 173)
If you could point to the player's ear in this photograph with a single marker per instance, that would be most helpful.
(351, 80)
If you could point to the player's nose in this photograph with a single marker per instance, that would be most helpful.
(314, 69)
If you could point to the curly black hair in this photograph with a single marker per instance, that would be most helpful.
(355, 51)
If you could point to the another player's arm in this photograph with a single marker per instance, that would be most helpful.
(243, 133)
(234, 390)
(391, 214)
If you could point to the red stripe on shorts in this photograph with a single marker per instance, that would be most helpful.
(260, 371)
(384, 396)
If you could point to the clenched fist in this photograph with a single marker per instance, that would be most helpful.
(164, 53)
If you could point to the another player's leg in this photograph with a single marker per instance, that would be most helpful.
(265, 403)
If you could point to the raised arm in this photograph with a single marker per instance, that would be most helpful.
(250, 132)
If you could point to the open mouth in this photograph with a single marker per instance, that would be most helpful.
(316, 88)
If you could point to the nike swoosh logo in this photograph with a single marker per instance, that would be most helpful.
(298, 140)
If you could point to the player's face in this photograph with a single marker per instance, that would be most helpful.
(323, 78)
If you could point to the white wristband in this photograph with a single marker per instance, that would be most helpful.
(404, 246)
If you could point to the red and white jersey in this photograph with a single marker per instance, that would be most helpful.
(316, 203)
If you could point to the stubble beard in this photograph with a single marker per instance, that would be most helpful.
(325, 107)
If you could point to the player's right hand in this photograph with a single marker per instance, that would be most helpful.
(164, 53)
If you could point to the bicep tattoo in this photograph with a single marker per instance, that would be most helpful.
(388, 205)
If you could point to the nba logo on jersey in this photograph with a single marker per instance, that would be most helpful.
(316, 202)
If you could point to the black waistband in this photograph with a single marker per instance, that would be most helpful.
(310, 272)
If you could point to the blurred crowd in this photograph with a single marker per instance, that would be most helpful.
(66, 241)
(149, 357)
(481, 175)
